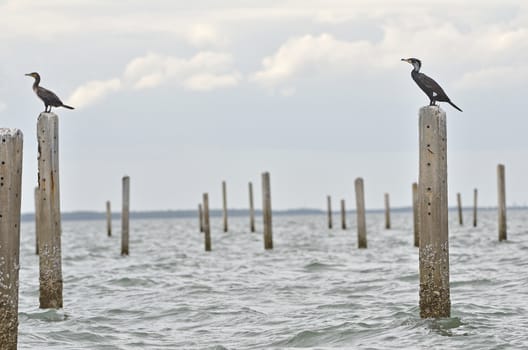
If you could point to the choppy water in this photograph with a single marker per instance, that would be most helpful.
(314, 290)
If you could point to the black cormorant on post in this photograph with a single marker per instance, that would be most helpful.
(48, 97)
(428, 85)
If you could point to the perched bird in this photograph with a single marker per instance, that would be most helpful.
(428, 85)
(48, 97)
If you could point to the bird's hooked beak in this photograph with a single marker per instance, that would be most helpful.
(29, 75)
(408, 60)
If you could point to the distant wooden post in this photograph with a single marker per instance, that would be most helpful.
(266, 211)
(224, 196)
(343, 215)
(49, 226)
(200, 218)
(206, 226)
(434, 247)
(10, 194)
(37, 219)
(475, 195)
(108, 219)
(125, 215)
(416, 215)
(360, 211)
(501, 185)
(387, 212)
(251, 209)
(459, 204)
(329, 208)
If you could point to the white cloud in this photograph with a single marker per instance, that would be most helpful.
(202, 35)
(93, 91)
(311, 53)
(203, 72)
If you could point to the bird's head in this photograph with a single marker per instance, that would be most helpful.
(416, 63)
(34, 75)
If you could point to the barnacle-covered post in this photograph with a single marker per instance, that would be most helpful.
(10, 193)
(434, 246)
(49, 225)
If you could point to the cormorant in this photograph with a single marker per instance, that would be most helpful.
(428, 85)
(48, 97)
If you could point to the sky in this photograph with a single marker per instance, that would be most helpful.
(182, 95)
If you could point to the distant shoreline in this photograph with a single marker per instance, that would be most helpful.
(175, 214)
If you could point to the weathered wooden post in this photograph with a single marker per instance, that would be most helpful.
(125, 215)
(434, 246)
(10, 195)
(387, 212)
(206, 226)
(224, 202)
(459, 204)
(329, 209)
(49, 226)
(266, 211)
(360, 212)
(37, 219)
(251, 209)
(501, 185)
(108, 219)
(343, 215)
(416, 216)
(200, 218)
(475, 195)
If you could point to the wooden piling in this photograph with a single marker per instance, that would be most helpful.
(224, 204)
(459, 205)
(416, 216)
(125, 215)
(434, 245)
(501, 186)
(329, 210)
(37, 219)
(206, 226)
(475, 197)
(200, 218)
(49, 226)
(108, 219)
(11, 142)
(251, 209)
(266, 211)
(360, 212)
(387, 212)
(343, 215)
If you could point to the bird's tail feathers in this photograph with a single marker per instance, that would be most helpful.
(69, 107)
(454, 105)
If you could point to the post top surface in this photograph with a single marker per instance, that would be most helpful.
(13, 132)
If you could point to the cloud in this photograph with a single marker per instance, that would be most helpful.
(310, 53)
(203, 72)
(202, 35)
(93, 91)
